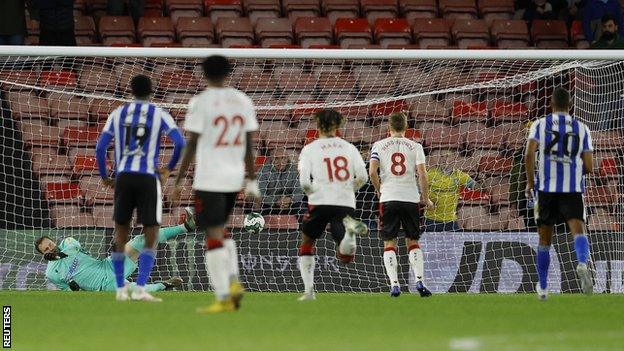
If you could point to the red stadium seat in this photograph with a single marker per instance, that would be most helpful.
(297, 81)
(271, 31)
(234, 31)
(116, 29)
(509, 112)
(549, 34)
(313, 31)
(84, 28)
(426, 108)
(607, 140)
(392, 31)
(27, 77)
(577, 36)
(91, 187)
(498, 188)
(375, 9)
(470, 32)
(282, 222)
(98, 79)
(85, 164)
(156, 30)
(608, 168)
(413, 9)
(71, 217)
(103, 216)
(353, 31)
(453, 9)
(474, 197)
(67, 106)
(295, 9)
(510, 33)
(469, 111)
(178, 81)
(258, 81)
(603, 222)
(338, 83)
(597, 196)
(289, 138)
(39, 133)
(217, 9)
(27, 106)
(477, 218)
(256, 9)
(50, 163)
(335, 9)
(195, 32)
(184, 8)
(443, 137)
(74, 137)
(99, 109)
(496, 9)
(60, 78)
(62, 192)
(432, 31)
(381, 110)
(376, 79)
(480, 137)
(495, 165)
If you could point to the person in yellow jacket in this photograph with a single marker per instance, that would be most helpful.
(445, 183)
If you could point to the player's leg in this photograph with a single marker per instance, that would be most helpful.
(389, 225)
(312, 227)
(344, 229)
(149, 213)
(236, 288)
(136, 245)
(125, 203)
(573, 210)
(211, 216)
(545, 215)
(410, 220)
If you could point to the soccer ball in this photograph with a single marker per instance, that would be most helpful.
(254, 223)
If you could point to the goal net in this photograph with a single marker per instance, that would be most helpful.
(470, 110)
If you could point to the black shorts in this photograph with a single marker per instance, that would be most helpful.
(396, 214)
(553, 208)
(140, 191)
(213, 209)
(317, 218)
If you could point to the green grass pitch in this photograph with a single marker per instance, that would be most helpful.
(62, 321)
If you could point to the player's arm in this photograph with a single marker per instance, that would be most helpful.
(251, 128)
(373, 170)
(587, 153)
(55, 279)
(423, 179)
(102, 146)
(529, 166)
(361, 176)
(187, 157)
(174, 134)
(305, 172)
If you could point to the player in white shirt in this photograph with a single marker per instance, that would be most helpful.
(221, 122)
(331, 170)
(398, 161)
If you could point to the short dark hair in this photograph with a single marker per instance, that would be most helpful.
(38, 242)
(608, 17)
(561, 98)
(398, 121)
(216, 68)
(141, 86)
(328, 119)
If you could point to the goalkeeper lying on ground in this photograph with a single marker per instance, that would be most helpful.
(72, 268)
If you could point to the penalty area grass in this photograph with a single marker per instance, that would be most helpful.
(93, 321)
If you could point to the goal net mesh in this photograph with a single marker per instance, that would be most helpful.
(470, 115)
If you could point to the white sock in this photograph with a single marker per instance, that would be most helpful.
(216, 265)
(306, 267)
(417, 263)
(233, 270)
(348, 245)
(391, 264)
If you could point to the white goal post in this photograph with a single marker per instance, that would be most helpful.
(469, 108)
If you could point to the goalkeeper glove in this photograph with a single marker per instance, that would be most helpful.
(53, 256)
(251, 189)
(74, 286)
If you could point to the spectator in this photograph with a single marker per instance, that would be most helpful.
(12, 22)
(56, 22)
(517, 184)
(539, 9)
(445, 183)
(117, 8)
(593, 13)
(279, 182)
(610, 38)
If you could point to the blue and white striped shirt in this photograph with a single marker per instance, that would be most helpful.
(562, 140)
(136, 128)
